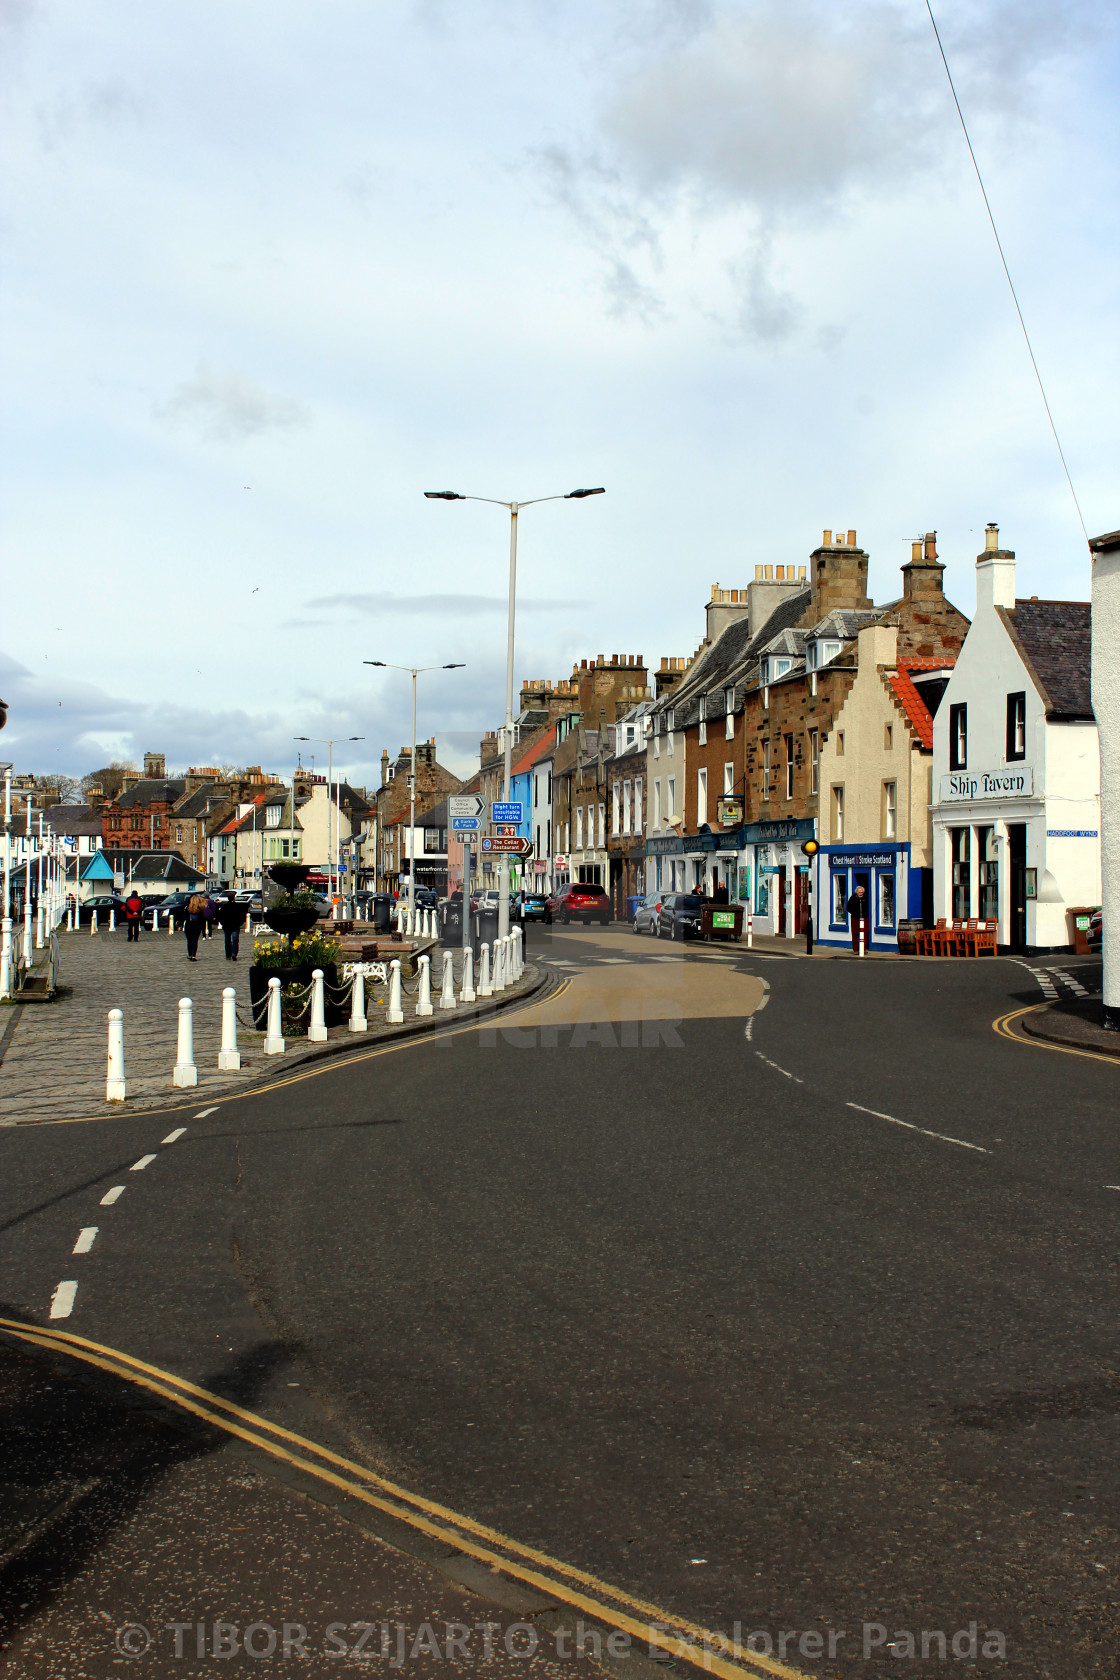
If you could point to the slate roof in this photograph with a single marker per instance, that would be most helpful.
(72, 820)
(153, 866)
(150, 790)
(845, 622)
(1054, 638)
(729, 659)
(204, 801)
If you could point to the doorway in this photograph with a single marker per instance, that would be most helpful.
(781, 880)
(801, 902)
(1017, 864)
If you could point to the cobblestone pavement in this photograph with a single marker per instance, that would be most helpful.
(54, 1064)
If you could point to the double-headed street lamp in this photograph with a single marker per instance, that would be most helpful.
(414, 671)
(332, 852)
(514, 509)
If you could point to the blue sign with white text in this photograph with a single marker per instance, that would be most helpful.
(467, 824)
(507, 811)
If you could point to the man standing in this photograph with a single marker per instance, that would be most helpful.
(133, 910)
(859, 910)
(231, 916)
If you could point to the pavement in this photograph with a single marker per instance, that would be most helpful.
(764, 1302)
(52, 1054)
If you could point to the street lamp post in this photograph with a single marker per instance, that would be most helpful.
(414, 671)
(332, 852)
(514, 510)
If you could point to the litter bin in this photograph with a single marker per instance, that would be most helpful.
(1079, 919)
(632, 904)
(379, 911)
(721, 921)
(908, 926)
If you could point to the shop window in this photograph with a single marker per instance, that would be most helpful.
(989, 872)
(958, 737)
(1016, 726)
(762, 887)
(839, 897)
(890, 810)
(885, 907)
(838, 814)
(962, 873)
(789, 766)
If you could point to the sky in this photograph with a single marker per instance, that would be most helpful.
(269, 271)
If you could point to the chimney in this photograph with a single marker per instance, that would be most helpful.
(995, 573)
(384, 765)
(923, 576)
(724, 607)
(839, 577)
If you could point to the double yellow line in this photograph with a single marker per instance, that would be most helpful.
(646, 1623)
(1003, 1027)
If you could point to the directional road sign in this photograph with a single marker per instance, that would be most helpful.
(464, 824)
(515, 845)
(466, 805)
(507, 811)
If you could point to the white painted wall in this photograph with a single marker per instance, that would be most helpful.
(1106, 705)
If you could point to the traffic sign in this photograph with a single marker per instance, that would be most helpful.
(464, 824)
(466, 805)
(513, 844)
(507, 811)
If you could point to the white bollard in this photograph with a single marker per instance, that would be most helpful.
(248, 921)
(155, 918)
(6, 957)
(447, 992)
(41, 926)
(518, 966)
(69, 918)
(112, 918)
(424, 1000)
(274, 1027)
(400, 920)
(229, 1057)
(185, 1071)
(317, 1031)
(170, 923)
(116, 1090)
(502, 980)
(394, 1014)
(863, 936)
(466, 988)
(750, 929)
(358, 1022)
(485, 989)
(92, 922)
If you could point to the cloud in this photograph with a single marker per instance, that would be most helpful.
(460, 606)
(230, 405)
(105, 103)
(612, 224)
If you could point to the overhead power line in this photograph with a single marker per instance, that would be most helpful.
(1007, 271)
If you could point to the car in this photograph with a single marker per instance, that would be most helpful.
(100, 907)
(583, 901)
(485, 902)
(1096, 928)
(531, 906)
(174, 905)
(645, 913)
(680, 916)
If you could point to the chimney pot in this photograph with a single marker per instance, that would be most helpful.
(800, 572)
(780, 573)
(852, 538)
(757, 573)
(991, 537)
(931, 545)
(768, 572)
(916, 550)
(826, 541)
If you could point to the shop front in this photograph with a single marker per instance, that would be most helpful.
(665, 864)
(772, 866)
(883, 870)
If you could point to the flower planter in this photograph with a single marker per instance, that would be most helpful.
(293, 920)
(298, 975)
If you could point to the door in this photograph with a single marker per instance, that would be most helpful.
(781, 880)
(1017, 860)
(801, 902)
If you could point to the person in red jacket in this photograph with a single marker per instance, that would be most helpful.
(133, 909)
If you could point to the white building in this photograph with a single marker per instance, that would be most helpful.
(1016, 766)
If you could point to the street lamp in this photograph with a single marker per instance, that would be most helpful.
(514, 509)
(332, 852)
(414, 671)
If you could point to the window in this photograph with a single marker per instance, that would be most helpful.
(625, 807)
(550, 787)
(657, 743)
(839, 743)
(616, 809)
(670, 720)
(839, 897)
(703, 728)
(729, 708)
(579, 828)
(272, 816)
(701, 798)
(766, 769)
(639, 811)
(890, 814)
(729, 778)
(657, 802)
(1016, 726)
(838, 813)
(671, 797)
(602, 825)
(814, 758)
(789, 766)
(885, 879)
(888, 736)
(958, 737)
(178, 834)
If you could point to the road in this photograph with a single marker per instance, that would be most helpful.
(777, 1293)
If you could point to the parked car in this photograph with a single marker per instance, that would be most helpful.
(531, 906)
(485, 902)
(579, 901)
(100, 907)
(646, 911)
(174, 905)
(680, 916)
(1096, 928)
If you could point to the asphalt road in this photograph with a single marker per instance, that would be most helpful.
(782, 1294)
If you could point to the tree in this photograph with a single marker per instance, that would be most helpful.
(66, 788)
(110, 779)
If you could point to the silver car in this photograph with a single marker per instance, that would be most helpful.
(646, 911)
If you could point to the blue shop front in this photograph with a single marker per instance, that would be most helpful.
(882, 868)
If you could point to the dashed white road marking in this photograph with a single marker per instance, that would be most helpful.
(1075, 986)
(940, 1136)
(87, 1236)
(777, 1069)
(173, 1137)
(204, 1113)
(748, 1030)
(62, 1301)
(144, 1161)
(1112, 1186)
(112, 1195)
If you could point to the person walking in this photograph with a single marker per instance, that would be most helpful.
(194, 923)
(133, 909)
(211, 913)
(231, 915)
(859, 910)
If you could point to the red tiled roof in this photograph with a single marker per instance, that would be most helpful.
(535, 754)
(911, 701)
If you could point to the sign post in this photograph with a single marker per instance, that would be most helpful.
(810, 849)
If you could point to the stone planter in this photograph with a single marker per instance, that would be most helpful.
(298, 975)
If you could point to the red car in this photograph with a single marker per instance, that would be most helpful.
(579, 901)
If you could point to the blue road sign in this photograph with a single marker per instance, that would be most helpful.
(507, 811)
(469, 824)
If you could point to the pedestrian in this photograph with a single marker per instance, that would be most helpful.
(133, 909)
(194, 923)
(231, 916)
(211, 912)
(859, 910)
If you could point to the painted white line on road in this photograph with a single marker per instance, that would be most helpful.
(62, 1301)
(205, 1112)
(777, 1069)
(144, 1161)
(112, 1195)
(940, 1136)
(1112, 1186)
(748, 1030)
(173, 1137)
(86, 1238)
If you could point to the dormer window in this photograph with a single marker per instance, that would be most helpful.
(779, 666)
(272, 816)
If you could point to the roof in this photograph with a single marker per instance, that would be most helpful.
(72, 820)
(98, 868)
(151, 790)
(539, 750)
(917, 713)
(845, 622)
(1054, 639)
(204, 800)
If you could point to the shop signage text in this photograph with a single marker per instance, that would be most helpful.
(988, 784)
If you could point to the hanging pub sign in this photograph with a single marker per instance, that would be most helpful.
(729, 811)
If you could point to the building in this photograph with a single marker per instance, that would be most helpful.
(141, 813)
(626, 840)
(1016, 766)
(433, 783)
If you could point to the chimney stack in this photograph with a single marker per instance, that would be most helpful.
(923, 576)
